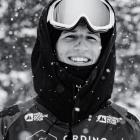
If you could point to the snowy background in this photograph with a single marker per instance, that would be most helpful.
(18, 23)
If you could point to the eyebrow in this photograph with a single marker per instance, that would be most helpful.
(73, 31)
(89, 32)
(70, 31)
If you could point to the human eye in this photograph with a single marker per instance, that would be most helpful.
(91, 38)
(70, 37)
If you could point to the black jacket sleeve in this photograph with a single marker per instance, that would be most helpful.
(7, 118)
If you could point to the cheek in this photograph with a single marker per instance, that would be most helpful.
(61, 50)
(96, 48)
(95, 51)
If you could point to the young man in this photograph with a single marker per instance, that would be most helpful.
(73, 64)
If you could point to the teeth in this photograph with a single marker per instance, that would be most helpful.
(79, 59)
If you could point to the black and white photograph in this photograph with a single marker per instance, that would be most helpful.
(70, 70)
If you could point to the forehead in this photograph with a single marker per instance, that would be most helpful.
(80, 29)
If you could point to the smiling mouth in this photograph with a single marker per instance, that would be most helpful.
(79, 59)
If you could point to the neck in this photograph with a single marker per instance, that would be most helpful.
(81, 72)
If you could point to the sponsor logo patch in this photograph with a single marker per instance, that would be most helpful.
(108, 119)
(30, 117)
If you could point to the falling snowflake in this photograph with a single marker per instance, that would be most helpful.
(77, 109)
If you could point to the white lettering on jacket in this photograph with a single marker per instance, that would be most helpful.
(83, 137)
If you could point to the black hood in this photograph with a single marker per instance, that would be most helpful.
(68, 97)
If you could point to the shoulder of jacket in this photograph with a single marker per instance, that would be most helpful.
(119, 109)
(16, 109)
(9, 115)
(132, 120)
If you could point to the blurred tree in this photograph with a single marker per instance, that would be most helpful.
(126, 88)
(18, 24)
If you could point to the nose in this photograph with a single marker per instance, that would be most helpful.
(80, 44)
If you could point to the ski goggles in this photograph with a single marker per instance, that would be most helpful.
(65, 14)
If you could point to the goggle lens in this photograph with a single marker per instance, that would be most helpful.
(66, 14)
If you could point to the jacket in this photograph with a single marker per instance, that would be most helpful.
(32, 121)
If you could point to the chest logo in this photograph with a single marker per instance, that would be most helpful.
(41, 135)
(108, 119)
(30, 117)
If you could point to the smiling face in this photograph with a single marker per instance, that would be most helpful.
(79, 47)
